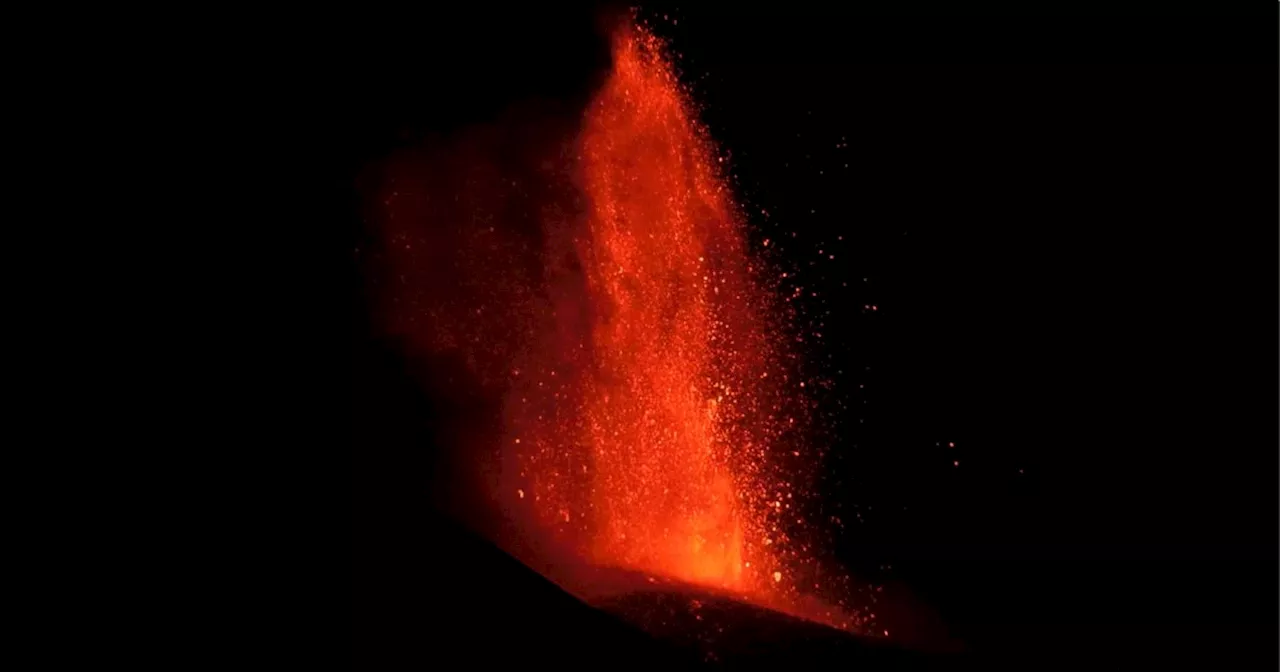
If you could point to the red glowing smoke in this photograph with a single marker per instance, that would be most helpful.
(605, 287)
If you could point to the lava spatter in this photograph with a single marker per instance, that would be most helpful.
(671, 460)
(652, 419)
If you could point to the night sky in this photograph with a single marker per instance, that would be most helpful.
(1040, 252)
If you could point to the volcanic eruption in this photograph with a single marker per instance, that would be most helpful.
(602, 285)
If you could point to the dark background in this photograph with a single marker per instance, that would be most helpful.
(1067, 226)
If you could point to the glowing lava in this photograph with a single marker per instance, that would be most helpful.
(666, 270)
(680, 402)
(650, 419)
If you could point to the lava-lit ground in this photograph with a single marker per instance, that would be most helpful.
(736, 632)
(717, 620)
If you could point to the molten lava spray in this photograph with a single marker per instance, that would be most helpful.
(676, 407)
(652, 419)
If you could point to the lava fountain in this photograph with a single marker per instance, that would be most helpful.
(676, 410)
(651, 417)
